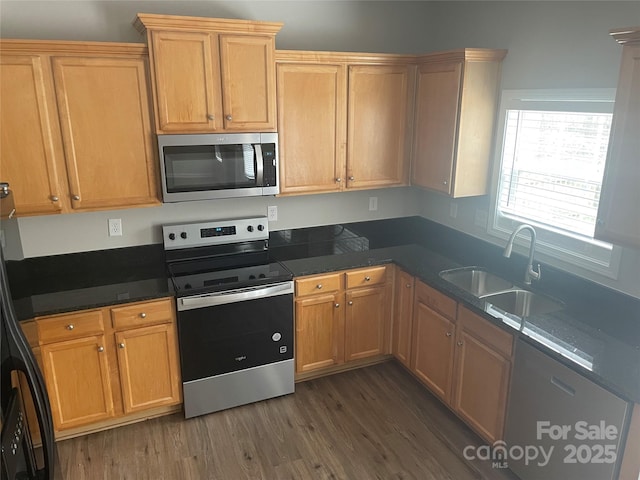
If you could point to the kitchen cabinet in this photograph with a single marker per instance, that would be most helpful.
(433, 340)
(344, 120)
(103, 365)
(482, 373)
(463, 359)
(404, 288)
(211, 75)
(76, 129)
(342, 317)
(455, 110)
(618, 220)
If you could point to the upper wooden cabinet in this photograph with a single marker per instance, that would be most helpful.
(455, 109)
(211, 74)
(618, 219)
(343, 120)
(76, 128)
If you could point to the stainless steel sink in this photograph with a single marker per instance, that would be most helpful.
(476, 281)
(524, 303)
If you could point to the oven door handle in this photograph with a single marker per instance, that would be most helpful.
(234, 296)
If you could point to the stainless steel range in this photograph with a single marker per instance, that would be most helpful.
(235, 313)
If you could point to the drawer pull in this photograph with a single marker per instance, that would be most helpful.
(319, 286)
(337, 305)
(408, 285)
(143, 315)
(563, 386)
(101, 349)
(70, 326)
(367, 278)
(459, 343)
(448, 334)
(350, 302)
(121, 345)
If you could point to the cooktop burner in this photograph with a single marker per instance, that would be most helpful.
(220, 255)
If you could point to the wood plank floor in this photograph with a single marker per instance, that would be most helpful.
(373, 423)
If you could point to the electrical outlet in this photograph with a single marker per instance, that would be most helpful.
(453, 210)
(373, 204)
(272, 213)
(115, 227)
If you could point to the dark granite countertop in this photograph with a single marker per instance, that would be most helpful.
(597, 333)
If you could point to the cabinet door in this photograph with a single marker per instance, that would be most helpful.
(436, 120)
(149, 369)
(377, 126)
(312, 127)
(403, 317)
(187, 82)
(618, 220)
(104, 111)
(366, 319)
(78, 382)
(433, 349)
(247, 65)
(319, 332)
(30, 145)
(482, 384)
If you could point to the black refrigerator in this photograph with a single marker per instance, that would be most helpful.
(22, 388)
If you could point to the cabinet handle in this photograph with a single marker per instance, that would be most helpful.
(351, 179)
(444, 182)
(143, 315)
(54, 198)
(76, 197)
(121, 345)
(229, 118)
(210, 117)
(350, 302)
(337, 305)
(70, 326)
(319, 286)
(338, 180)
(459, 343)
(101, 349)
(408, 285)
(367, 278)
(448, 334)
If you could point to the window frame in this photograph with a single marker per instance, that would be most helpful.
(554, 246)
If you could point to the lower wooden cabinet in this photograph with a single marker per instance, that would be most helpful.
(463, 359)
(404, 287)
(104, 364)
(342, 317)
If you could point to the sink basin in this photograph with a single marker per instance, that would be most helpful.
(524, 303)
(476, 281)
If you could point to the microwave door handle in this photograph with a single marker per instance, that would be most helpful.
(259, 165)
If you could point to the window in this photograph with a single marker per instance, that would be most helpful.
(549, 172)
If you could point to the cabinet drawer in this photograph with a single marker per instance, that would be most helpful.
(483, 330)
(319, 284)
(436, 300)
(365, 277)
(70, 326)
(147, 313)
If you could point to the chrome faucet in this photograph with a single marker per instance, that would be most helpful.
(530, 273)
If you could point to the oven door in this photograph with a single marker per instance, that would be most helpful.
(201, 167)
(223, 332)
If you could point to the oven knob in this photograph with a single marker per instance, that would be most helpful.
(276, 337)
(250, 228)
(187, 286)
(172, 236)
(183, 235)
(252, 277)
(261, 227)
(262, 275)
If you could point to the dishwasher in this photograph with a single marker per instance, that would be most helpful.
(560, 425)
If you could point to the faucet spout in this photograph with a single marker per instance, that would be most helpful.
(530, 273)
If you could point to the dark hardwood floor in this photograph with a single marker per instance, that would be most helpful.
(373, 423)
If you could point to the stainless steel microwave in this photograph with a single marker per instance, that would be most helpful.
(210, 166)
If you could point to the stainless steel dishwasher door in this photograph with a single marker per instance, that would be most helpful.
(572, 426)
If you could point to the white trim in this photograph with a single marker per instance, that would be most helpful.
(562, 254)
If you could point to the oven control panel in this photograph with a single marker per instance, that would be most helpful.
(218, 232)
